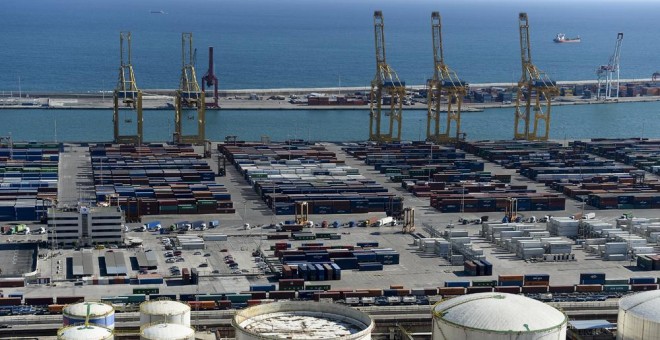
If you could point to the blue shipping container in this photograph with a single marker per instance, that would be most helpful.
(370, 266)
(463, 284)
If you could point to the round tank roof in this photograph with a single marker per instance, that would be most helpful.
(302, 320)
(95, 309)
(499, 312)
(84, 332)
(164, 307)
(165, 331)
(645, 305)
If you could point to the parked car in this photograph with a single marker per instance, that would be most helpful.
(198, 253)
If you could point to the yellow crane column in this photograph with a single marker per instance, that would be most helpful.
(385, 82)
(189, 96)
(534, 86)
(444, 80)
(128, 92)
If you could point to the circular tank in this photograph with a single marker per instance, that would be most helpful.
(302, 320)
(100, 314)
(166, 331)
(497, 316)
(164, 311)
(639, 316)
(89, 332)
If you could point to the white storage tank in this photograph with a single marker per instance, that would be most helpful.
(164, 311)
(639, 316)
(166, 331)
(100, 314)
(302, 320)
(89, 332)
(497, 316)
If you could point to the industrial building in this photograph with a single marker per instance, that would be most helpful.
(85, 226)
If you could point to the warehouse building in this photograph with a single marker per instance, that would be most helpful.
(85, 226)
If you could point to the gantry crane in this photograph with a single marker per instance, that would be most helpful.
(188, 95)
(209, 79)
(128, 92)
(444, 79)
(302, 213)
(534, 86)
(609, 74)
(385, 82)
(408, 220)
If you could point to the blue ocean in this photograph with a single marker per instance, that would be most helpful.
(73, 46)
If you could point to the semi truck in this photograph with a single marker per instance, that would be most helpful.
(199, 225)
(386, 222)
(151, 226)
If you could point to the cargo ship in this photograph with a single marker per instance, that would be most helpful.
(561, 38)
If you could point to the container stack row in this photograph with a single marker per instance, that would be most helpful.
(157, 179)
(309, 259)
(28, 180)
(636, 192)
(600, 182)
(594, 285)
(452, 181)
(284, 174)
(527, 240)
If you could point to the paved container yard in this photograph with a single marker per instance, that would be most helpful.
(416, 269)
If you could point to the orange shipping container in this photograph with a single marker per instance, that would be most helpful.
(451, 291)
(56, 309)
(588, 288)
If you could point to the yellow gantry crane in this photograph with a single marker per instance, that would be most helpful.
(444, 80)
(386, 85)
(128, 92)
(189, 96)
(534, 86)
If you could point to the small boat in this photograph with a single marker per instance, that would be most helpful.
(561, 38)
(158, 12)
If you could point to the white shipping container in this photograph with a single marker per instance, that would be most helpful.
(615, 257)
(215, 237)
(643, 250)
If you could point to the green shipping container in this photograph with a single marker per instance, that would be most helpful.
(317, 287)
(616, 288)
(239, 298)
(136, 298)
(484, 283)
(146, 291)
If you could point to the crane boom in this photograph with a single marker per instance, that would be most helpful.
(127, 91)
(525, 52)
(436, 33)
(533, 87)
(379, 35)
(609, 74)
(444, 80)
(385, 86)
